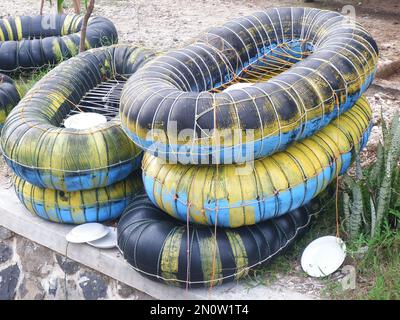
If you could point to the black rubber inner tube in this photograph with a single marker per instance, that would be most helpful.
(9, 97)
(165, 249)
(327, 63)
(28, 42)
(38, 147)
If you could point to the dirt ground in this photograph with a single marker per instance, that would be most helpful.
(167, 24)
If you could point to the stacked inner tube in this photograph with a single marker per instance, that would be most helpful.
(157, 245)
(329, 63)
(244, 130)
(270, 187)
(71, 175)
(9, 97)
(29, 42)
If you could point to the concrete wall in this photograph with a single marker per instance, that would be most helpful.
(31, 271)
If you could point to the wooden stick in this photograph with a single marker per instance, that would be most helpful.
(84, 25)
(77, 6)
(41, 7)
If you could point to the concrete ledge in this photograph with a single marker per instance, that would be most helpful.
(15, 217)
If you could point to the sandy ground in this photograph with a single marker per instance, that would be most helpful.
(165, 24)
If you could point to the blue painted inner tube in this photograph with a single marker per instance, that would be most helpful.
(167, 250)
(30, 42)
(9, 97)
(233, 195)
(76, 207)
(40, 150)
(318, 64)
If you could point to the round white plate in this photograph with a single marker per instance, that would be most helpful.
(87, 232)
(84, 120)
(239, 85)
(323, 256)
(107, 242)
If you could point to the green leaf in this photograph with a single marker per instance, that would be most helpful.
(348, 181)
(346, 210)
(377, 168)
(395, 133)
(356, 211)
(359, 173)
(385, 132)
(60, 6)
(373, 217)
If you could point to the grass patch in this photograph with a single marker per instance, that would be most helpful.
(25, 81)
(289, 263)
(379, 270)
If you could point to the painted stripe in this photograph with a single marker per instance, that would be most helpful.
(273, 185)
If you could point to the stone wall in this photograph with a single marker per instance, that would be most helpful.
(31, 271)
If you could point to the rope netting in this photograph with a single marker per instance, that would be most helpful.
(223, 195)
(304, 66)
(271, 64)
(77, 207)
(194, 255)
(103, 99)
(34, 42)
(42, 151)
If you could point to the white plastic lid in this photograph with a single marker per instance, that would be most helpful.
(84, 120)
(323, 256)
(87, 232)
(109, 241)
(239, 85)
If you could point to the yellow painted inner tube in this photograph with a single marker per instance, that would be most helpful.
(29, 42)
(38, 147)
(96, 205)
(305, 66)
(167, 250)
(235, 195)
(9, 97)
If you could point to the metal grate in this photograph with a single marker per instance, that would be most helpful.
(103, 99)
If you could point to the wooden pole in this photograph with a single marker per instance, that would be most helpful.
(77, 6)
(41, 7)
(84, 25)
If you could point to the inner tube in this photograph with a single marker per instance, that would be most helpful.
(77, 207)
(9, 97)
(31, 42)
(40, 150)
(176, 105)
(167, 250)
(235, 195)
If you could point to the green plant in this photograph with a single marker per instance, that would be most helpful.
(27, 80)
(380, 267)
(61, 5)
(373, 193)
